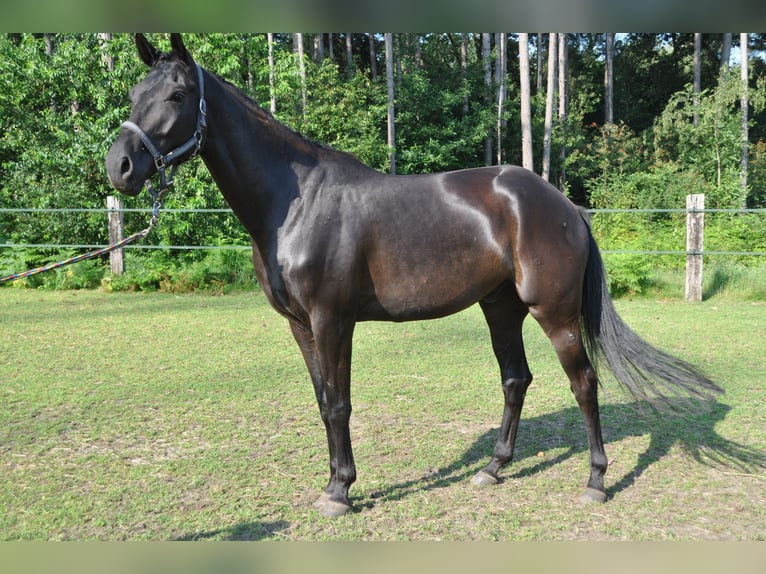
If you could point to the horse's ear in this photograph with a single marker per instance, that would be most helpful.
(179, 50)
(149, 54)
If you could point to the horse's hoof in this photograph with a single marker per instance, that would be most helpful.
(483, 478)
(333, 509)
(593, 496)
(322, 500)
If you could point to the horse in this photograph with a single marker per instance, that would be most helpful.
(335, 242)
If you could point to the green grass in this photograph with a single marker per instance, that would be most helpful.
(721, 281)
(161, 417)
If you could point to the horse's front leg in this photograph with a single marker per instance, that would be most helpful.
(326, 348)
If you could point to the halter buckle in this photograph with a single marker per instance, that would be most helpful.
(160, 163)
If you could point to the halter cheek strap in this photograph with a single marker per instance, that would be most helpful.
(178, 155)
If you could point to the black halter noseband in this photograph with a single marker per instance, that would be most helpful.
(177, 156)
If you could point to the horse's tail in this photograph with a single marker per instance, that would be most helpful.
(645, 372)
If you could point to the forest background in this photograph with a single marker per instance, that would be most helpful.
(616, 121)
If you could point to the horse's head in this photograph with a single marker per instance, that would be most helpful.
(167, 123)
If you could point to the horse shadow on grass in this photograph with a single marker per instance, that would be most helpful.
(246, 531)
(694, 431)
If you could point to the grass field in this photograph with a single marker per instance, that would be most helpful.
(191, 417)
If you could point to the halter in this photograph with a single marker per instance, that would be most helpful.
(174, 157)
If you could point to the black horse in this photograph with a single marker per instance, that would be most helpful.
(336, 242)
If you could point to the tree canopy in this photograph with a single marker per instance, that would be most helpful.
(65, 95)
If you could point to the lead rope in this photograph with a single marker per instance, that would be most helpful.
(157, 198)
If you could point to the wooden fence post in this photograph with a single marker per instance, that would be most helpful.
(695, 227)
(116, 233)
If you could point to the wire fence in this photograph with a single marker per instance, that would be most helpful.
(243, 246)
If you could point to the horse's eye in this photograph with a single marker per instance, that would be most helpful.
(177, 96)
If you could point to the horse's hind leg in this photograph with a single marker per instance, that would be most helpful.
(567, 340)
(505, 315)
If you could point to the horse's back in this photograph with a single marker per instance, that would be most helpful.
(436, 244)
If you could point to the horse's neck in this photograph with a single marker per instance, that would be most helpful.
(254, 161)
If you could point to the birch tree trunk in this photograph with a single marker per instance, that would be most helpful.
(539, 83)
(272, 87)
(298, 43)
(390, 88)
(743, 39)
(106, 59)
(318, 48)
(549, 94)
(609, 80)
(373, 58)
(485, 58)
(418, 52)
(501, 74)
(526, 104)
(563, 69)
(349, 56)
(464, 67)
(725, 52)
(697, 76)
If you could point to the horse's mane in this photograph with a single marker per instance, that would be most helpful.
(307, 144)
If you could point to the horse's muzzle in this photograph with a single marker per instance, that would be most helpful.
(120, 169)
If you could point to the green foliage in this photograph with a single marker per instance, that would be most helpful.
(627, 274)
(736, 232)
(61, 105)
(349, 115)
(442, 119)
(712, 148)
(57, 122)
(217, 271)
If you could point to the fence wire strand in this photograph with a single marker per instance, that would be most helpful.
(248, 246)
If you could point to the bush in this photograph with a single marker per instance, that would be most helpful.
(218, 271)
(628, 274)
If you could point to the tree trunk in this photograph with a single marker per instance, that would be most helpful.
(373, 61)
(298, 43)
(697, 76)
(500, 72)
(743, 39)
(725, 52)
(319, 48)
(609, 80)
(390, 88)
(549, 94)
(418, 53)
(246, 56)
(526, 103)
(463, 67)
(272, 88)
(349, 56)
(563, 69)
(563, 77)
(48, 44)
(539, 83)
(485, 58)
(106, 59)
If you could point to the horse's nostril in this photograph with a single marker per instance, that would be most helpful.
(125, 166)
